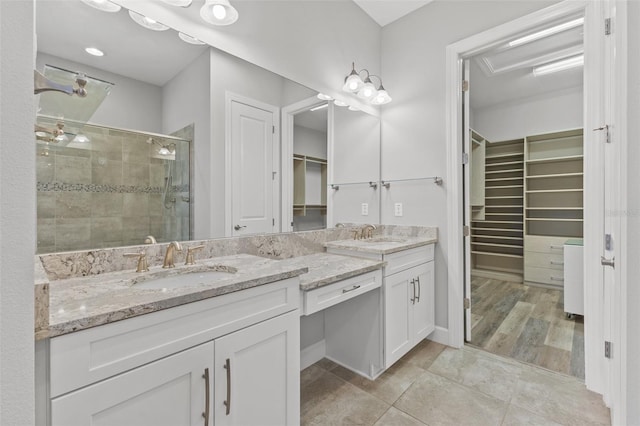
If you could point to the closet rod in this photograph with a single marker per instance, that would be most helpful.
(336, 186)
(436, 179)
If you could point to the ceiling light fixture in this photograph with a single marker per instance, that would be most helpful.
(188, 39)
(564, 64)
(547, 32)
(103, 5)
(324, 97)
(340, 103)
(178, 3)
(316, 108)
(94, 51)
(148, 23)
(353, 108)
(365, 89)
(218, 12)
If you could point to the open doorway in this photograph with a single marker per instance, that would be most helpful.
(525, 135)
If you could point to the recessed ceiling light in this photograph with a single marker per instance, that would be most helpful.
(547, 32)
(148, 23)
(103, 5)
(188, 39)
(94, 51)
(179, 3)
(565, 64)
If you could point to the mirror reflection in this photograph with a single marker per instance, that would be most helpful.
(186, 145)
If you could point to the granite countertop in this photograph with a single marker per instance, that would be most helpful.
(80, 303)
(383, 244)
(325, 268)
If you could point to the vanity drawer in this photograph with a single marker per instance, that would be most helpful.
(332, 294)
(553, 245)
(88, 356)
(544, 260)
(544, 275)
(397, 262)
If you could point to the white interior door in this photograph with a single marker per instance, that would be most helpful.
(252, 169)
(466, 170)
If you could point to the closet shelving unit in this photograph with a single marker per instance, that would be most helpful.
(309, 184)
(477, 175)
(553, 202)
(497, 238)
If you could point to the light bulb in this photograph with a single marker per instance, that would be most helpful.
(368, 91)
(164, 151)
(219, 12)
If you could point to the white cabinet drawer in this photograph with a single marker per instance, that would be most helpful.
(544, 275)
(88, 356)
(544, 260)
(400, 261)
(538, 244)
(332, 294)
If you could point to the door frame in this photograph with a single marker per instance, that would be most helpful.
(288, 120)
(228, 160)
(594, 41)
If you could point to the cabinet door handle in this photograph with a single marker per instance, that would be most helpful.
(206, 413)
(419, 289)
(347, 290)
(413, 283)
(227, 403)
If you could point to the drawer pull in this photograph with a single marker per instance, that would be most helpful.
(554, 262)
(205, 376)
(227, 403)
(355, 287)
(556, 247)
(556, 279)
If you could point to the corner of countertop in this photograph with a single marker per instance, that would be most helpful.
(41, 300)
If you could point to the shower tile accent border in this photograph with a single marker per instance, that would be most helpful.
(90, 187)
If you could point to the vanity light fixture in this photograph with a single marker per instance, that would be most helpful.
(564, 64)
(219, 12)
(365, 89)
(148, 23)
(324, 97)
(178, 3)
(188, 39)
(103, 5)
(547, 32)
(94, 51)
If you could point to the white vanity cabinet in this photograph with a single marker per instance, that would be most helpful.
(408, 295)
(228, 360)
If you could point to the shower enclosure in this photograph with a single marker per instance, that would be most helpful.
(112, 188)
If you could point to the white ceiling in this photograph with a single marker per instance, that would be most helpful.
(386, 11)
(315, 120)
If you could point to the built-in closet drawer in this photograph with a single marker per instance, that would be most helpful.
(397, 262)
(549, 276)
(554, 245)
(544, 260)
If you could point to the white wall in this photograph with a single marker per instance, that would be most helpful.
(310, 142)
(531, 116)
(632, 392)
(132, 104)
(17, 212)
(413, 130)
(186, 100)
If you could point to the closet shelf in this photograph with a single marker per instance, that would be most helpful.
(515, 154)
(504, 187)
(556, 159)
(554, 175)
(504, 171)
(504, 163)
(498, 237)
(503, 197)
(550, 219)
(506, 178)
(542, 191)
(473, 243)
(503, 214)
(490, 253)
(504, 207)
(497, 229)
(556, 208)
(496, 221)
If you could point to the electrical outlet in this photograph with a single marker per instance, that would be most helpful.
(365, 209)
(397, 210)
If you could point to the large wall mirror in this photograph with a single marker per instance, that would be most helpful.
(187, 144)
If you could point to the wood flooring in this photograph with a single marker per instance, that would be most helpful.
(526, 323)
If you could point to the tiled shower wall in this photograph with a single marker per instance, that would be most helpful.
(109, 192)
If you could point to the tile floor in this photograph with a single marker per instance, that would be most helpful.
(526, 323)
(435, 385)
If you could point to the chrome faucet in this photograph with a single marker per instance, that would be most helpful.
(168, 256)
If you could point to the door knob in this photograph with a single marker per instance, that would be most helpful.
(608, 262)
(238, 227)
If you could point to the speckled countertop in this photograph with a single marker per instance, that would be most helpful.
(80, 303)
(383, 244)
(325, 268)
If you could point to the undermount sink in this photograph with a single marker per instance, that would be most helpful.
(177, 278)
(384, 240)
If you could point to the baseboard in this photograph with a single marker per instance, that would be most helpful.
(440, 335)
(312, 354)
